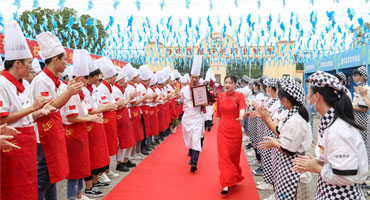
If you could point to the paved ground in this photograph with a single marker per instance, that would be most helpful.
(62, 186)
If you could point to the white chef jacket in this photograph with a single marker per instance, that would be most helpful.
(192, 121)
(342, 150)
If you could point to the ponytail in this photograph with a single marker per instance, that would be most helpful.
(341, 103)
(302, 109)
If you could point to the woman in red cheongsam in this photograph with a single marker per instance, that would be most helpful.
(230, 110)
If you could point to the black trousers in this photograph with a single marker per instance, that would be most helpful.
(143, 144)
(194, 157)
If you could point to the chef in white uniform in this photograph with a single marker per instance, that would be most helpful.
(192, 121)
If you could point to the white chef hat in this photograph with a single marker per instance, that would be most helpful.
(153, 79)
(36, 65)
(80, 62)
(187, 78)
(130, 71)
(68, 72)
(161, 77)
(145, 73)
(209, 74)
(167, 71)
(176, 74)
(1, 65)
(172, 76)
(50, 45)
(197, 65)
(121, 73)
(91, 65)
(106, 67)
(41, 56)
(16, 47)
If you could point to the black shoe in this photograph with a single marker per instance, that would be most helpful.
(248, 146)
(209, 129)
(122, 167)
(130, 164)
(145, 152)
(93, 192)
(225, 190)
(193, 168)
(101, 185)
(156, 141)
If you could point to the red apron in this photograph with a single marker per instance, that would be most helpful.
(126, 135)
(145, 110)
(110, 126)
(99, 153)
(162, 120)
(168, 113)
(78, 150)
(53, 143)
(137, 125)
(19, 167)
(153, 116)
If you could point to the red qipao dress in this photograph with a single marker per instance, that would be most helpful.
(229, 137)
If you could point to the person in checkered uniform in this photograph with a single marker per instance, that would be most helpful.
(360, 77)
(341, 154)
(294, 139)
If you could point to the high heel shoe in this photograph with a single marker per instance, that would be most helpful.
(225, 190)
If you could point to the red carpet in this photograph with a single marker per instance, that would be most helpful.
(165, 174)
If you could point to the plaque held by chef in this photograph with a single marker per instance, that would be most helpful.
(199, 95)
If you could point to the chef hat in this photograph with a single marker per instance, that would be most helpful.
(153, 79)
(187, 77)
(245, 78)
(342, 76)
(266, 81)
(183, 79)
(68, 72)
(363, 72)
(50, 45)
(167, 71)
(294, 89)
(121, 73)
(197, 65)
(176, 74)
(80, 62)
(106, 67)
(172, 76)
(161, 77)
(16, 47)
(273, 82)
(36, 65)
(130, 71)
(324, 79)
(145, 73)
(209, 74)
(91, 64)
(41, 56)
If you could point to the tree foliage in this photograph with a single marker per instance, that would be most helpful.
(79, 34)
(359, 35)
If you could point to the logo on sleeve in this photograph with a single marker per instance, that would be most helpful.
(45, 94)
(72, 107)
(1, 103)
(103, 97)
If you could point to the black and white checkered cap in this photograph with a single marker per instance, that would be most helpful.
(245, 78)
(293, 88)
(324, 79)
(266, 81)
(273, 82)
(342, 76)
(363, 72)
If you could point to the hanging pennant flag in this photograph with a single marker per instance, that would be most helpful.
(90, 5)
(259, 4)
(116, 4)
(17, 3)
(61, 4)
(162, 4)
(138, 5)
(236, 3)
(35, 4)
(351, 13)
(189, 21)
(230, 22)
(218, 20)
(360, 22)
(187, 3)
(210, 5)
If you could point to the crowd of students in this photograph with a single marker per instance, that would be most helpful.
(64, 122)
(279, 128)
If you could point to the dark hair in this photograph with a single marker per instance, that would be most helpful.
(232, 77)
(274, 87)
(302, 109)
(86, 77)
(8, 64)
(356, 72)
(342, 105)
(60, 56)
(340, 78)
(94, 73)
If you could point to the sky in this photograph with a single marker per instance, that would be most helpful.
(222, 9)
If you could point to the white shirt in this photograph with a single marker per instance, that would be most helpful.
(12, 101)
(247, 92)
(342, 148)
(43, 85)
(151, 92)
(296, 135)
(104, 95)
(143, 91)
(158, 91)
(74, 107)
(357, 98)
(91, 99)
(128, 90)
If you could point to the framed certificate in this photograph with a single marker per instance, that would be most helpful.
(199, 95)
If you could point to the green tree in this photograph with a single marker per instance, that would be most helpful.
(239, 68)
(184, 66)
(73, 36)
(359, 35)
